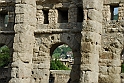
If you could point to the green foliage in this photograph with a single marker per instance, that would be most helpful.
(56, 55)
(122, 68)
(4, 56)
(115, 17)
(57, 65)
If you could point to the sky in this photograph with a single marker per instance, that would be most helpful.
(115, 11)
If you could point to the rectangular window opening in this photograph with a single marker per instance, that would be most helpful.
(114, 12)
(80, 14)
(4, 19)
(45, 12)
(62, 15)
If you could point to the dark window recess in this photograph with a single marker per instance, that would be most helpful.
(62, 15)
(4, 18)
(80, 14)
(114, 12)
(45, 12)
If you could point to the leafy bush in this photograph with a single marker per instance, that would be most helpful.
(57, 65)
(122, 68)
(4, 56)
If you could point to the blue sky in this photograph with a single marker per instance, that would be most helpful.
(115, 11)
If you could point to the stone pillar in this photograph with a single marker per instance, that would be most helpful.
(121, 12)
(40, 17)
(72, 15)
(25, 23)
(53, 16)
(91, 41)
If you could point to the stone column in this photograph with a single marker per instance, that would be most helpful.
(121, 12)
(40, 17)
(72, 15)
(53, 16)
(91, 41)
(25, 23)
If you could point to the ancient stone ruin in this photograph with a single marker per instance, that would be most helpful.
(36, 27)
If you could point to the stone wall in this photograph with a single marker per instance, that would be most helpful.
(112, 43)
(91, 41)
(4, 75)
(59, 76)
(37, 27)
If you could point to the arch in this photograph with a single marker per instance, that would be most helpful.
(77, 59)
(54, 46)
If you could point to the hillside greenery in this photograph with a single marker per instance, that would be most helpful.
(63, 49)
(57, 65)
(115, 17)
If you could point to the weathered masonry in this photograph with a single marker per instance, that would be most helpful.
(32, 29)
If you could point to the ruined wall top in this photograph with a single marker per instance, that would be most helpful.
(112, 2)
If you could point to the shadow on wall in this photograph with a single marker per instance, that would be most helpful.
(4, 75)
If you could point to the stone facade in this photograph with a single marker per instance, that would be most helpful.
(36, 27)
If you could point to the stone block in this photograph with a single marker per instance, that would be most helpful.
(36, 49)
(14, 80)
(41, 73)
(89, 67)
(14, 72)
(94, 26)
(114, 78)
(106, 55)
(115, 63)
(25, 57)
(27, 80)
(112, 1)
(105, 62)
(24, 70)
(114, 70)
(92, 37)
(86, 46)
(95, 15)
(44, 65)
(121, 0)
(53, 16)
(90, 77)
(103, 79)
(93, 4)
(103, 70)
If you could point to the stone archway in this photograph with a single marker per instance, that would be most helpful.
(45, 45)
(75, 71)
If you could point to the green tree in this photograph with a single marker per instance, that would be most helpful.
(4, 56)
(122, 68)
(115, 17)
(57, 65)
(61, 50)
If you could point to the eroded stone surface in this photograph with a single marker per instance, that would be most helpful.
(36, 27)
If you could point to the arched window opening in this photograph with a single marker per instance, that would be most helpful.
(4, 56)
(62, 58)
(61, 63)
